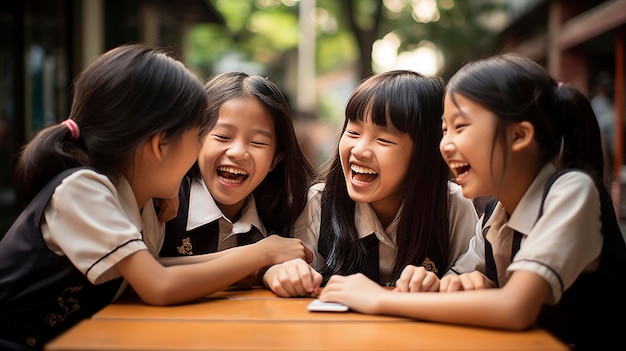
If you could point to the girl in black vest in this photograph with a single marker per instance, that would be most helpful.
(551, 253)
(251, 177)
(90, 226)
(385, 201)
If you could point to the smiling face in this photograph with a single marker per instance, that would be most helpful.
(375, 162)
(237, 153)
(467, 146)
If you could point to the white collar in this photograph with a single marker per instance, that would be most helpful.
(128, 201)
(204, 210)
(367, 222)
(524, 217)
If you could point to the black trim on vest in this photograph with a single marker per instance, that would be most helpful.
(43, 294)
(370, 265)
(201, 240)
(580, 317)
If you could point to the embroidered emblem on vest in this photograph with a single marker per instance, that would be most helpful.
(68, 303)
(429, 265)
(185, 248)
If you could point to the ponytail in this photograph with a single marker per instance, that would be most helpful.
(125, 97)
(52, 151)
(582, 147)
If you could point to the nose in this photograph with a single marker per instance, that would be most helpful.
(238, 150)
(446, 146)
(361, 149)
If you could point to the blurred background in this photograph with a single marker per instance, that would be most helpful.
(315, 50)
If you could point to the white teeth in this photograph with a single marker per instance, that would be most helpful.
(231, 181)
(232, 170)
(359, 169)
(458, 164)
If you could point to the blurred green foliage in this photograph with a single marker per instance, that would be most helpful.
(266, 31)
(261, 37)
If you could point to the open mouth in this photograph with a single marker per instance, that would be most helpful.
(459, 168)
(232, 175)
(363, 174)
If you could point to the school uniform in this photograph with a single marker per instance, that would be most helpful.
(560, 238)
(57, 261)
(200, 227)
(382, 240)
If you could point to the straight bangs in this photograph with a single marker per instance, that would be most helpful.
(382, 101)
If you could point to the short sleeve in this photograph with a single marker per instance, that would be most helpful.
(93, 224)
(474, 258)
(463, 220)
(307, 226)
(566, 241)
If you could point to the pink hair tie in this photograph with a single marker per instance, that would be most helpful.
(558, 87)
(73, 127)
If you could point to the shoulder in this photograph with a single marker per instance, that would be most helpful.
(85, 179)
(315, 191)
(573, 183)
(572, 177)
(456, 198)
(570, 184)
(454, 189)
(88, 189)
(461, 210)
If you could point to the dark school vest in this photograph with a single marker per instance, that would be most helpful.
(42, 294)
(370, 266)
(591, 314)
(178, 241)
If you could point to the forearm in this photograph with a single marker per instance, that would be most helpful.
(158, 285)
(178, 260)
(494, 308)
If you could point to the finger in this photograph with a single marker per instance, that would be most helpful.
(430, 283)
(277, 288)
(450, 284)
(416, 281)
(467, 282)
(287, 284)
(308, 254)
(402, 284)
(313, 280)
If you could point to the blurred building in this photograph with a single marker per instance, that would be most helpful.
(577, 41)
(44, 44)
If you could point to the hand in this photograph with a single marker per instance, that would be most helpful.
(466, 281)
(167, 208)
(279, 249)
(293, 278)
(416, 279)
(355, 291)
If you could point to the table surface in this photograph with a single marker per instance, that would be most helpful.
(259, 320)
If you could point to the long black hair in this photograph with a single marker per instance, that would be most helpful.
(281, 196)
(413, 104)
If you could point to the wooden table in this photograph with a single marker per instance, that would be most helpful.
(259, 320)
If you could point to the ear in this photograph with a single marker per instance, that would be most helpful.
(157, 146)
(523, 134)
(277, 160)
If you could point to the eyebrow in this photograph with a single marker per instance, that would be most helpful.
(263, 132)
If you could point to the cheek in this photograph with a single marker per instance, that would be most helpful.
(263, 161)
(206, 157)
(191, 155)
(401, 165)
(344, 149)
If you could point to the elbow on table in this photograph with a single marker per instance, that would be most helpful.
(160, 295)
(156, 299)
(518, 318)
